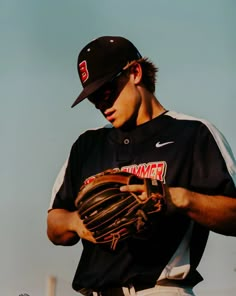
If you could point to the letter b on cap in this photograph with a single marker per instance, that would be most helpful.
(84, 74)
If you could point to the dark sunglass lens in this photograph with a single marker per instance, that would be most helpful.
(106, 91)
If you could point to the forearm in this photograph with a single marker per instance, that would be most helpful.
(60, 227)
(66, 228)
(218, 213)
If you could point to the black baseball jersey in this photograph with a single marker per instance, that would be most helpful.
(180, 150)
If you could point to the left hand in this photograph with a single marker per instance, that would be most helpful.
(175, 196)
(135, 188)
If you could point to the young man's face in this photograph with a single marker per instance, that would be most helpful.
(119, 101)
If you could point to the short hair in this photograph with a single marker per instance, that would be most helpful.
(149, 70)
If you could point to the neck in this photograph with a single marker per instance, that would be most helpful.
(150, 108)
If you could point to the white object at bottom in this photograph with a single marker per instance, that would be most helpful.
(159, 290)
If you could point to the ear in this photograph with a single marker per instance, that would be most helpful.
(136, 72)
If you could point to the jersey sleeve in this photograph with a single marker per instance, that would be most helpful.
(58, 183)
(214, 166)
(67, 183)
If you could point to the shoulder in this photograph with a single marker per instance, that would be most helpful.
(187, 118)
(90, 136)
(207, 134)
(95, 132)
(197, 123)
(205, 131)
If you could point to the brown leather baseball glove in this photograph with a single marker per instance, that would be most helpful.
(112, 215)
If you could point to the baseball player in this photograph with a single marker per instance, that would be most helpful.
(189, 155)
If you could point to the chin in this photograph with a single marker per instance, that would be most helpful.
(115, 125)
(125, 125)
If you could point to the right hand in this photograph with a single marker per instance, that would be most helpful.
(81, 229)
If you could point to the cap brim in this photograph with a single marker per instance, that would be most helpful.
(92, 87)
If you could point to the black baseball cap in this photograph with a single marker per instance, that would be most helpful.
(101, 60)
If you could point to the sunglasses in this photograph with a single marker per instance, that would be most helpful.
(107, 92)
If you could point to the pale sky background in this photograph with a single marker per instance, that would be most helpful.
(192, 42)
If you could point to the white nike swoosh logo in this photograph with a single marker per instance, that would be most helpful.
(158, 144)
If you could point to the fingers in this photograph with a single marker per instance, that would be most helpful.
(133, 188)
(86, 234)
(83, 232)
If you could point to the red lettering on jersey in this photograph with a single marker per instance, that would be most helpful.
(84, 74)
(160, 171)
(143, 170)
(153, 170)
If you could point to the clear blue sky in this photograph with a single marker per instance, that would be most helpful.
(192, 42)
